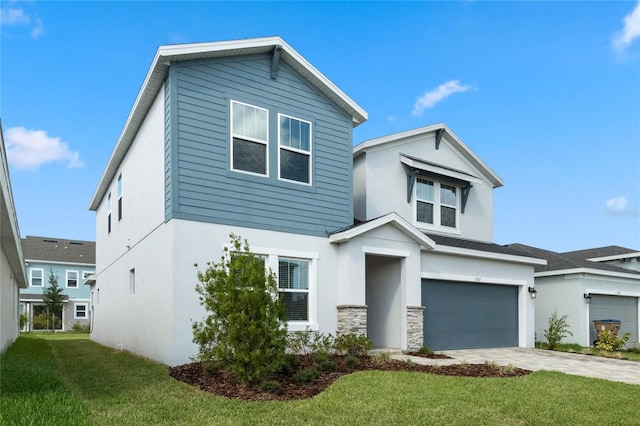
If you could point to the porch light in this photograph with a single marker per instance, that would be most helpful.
(587, 297)
(533, 292)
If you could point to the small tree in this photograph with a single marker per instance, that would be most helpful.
(245, 329)
(556, 330)
(53, 299)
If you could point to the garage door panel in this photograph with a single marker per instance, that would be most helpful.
(462, 315)
(624, 309)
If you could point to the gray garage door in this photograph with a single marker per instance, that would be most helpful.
(461, 315)
(621, 308)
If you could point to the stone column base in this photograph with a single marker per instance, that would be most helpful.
(352, 319)
(415, 322)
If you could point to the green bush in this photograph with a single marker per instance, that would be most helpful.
(353, 344)
(320, 357)
(306, 376)
(425, 351)
(288, 364)
(328, 366)
(351, 361)
(307, 342)
(610, 342)
(381, 358)
(80, 328)
(246, 326)
(270, 386)
(557, 330)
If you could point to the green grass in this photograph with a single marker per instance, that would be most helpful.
(89, 383)
(576, 348)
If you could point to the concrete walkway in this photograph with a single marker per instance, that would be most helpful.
(538, 359)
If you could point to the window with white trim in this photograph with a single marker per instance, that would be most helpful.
(36, 277)
(109, 213)
(293, 286)
(436, 203)
(80, 311)
(249, 138)
(120, 197)
(72, 279)
(294, 154)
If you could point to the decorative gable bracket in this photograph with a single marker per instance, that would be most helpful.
(439, 134)
(275, 61)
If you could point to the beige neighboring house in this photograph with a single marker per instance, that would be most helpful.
(12, 272)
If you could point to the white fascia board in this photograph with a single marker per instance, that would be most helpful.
(160, 67)
(460, 146)
(489, 255)
(398, 222)
(588, 271)
(471, 278)
(55, 262)
(616, 257)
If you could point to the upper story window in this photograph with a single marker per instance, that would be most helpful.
(294, 154)
(119, 197)
(436, 203)
(36, 276)
(109, 212)
(72, 279)
(249, 138)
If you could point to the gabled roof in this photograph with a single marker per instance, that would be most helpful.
(562, 264)
(603, 253)
(393, 219)
(184, 52)
(9, 231)
(460, 146)
(59, 250)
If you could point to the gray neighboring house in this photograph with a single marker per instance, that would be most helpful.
(588, 285)
(12, 272)
(72, 261)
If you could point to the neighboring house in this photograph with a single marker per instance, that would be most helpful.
(587, 285)
(71, 262)
(12, 272)
(247, 137)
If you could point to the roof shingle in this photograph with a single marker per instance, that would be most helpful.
(59, 250)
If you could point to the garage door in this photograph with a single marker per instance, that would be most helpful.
(460, 315)
(621, 308)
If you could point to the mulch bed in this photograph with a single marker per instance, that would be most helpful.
(430, 355)
(225, 384)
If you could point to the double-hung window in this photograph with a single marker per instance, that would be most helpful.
(249, 138)
(293, 287)
(72, 279)
(436, 203)
(120, 197)
(80, 311)
(294, 154)
(36, 277)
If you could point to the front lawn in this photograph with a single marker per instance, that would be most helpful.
(53, 381)
(629, 355)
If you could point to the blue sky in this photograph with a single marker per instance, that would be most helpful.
(547, 93)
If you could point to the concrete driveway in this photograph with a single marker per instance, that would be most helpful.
(538, 359)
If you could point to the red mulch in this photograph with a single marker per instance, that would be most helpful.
(224, 383)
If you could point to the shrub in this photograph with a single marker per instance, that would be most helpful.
(288, 364)
(306, 342)
(270, 386)
(213, 367)
(609, 341)
(246, 326)
(557, 330)
(381, 358)
(79, 328)
(328, 366)
(353, 344)
(306, 376)
(425, 351)
(320, 357)
(351, 361)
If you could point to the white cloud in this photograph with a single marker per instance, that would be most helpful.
(630, 31)
(29, 149)
(435, 95)
(38, 30)
(11, 16)
(617, 203)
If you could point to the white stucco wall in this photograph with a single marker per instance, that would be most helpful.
(565, 294)
(8, 304)
(383, 297)
(386, 181)
(452, 267)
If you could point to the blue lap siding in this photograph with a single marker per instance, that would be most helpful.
(200, 184)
